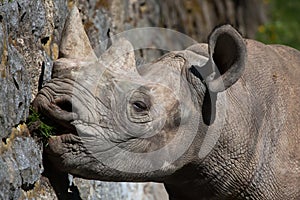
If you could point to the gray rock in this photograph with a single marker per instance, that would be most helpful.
(20, 164)
(92, 190)
(15, 91)
(28, 158)
(29, 32)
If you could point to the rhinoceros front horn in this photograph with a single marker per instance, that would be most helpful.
(75, 43)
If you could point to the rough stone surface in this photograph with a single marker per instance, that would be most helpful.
(29, 37)
(30, 33)
(20, 163)
(91, 190)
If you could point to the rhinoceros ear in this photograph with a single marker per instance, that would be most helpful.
(227, 57)
(74, 42)
(226, 64)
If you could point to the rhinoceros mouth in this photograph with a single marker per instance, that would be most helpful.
(65, 141)
(58, 112)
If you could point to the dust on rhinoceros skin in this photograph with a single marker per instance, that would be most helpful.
(214, 121)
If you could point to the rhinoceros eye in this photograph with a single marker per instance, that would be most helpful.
(140, 106)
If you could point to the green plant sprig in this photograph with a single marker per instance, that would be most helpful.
(41, 129)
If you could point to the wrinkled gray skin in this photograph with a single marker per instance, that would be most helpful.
(107, 105)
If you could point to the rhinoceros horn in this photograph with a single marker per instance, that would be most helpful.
(75, 43)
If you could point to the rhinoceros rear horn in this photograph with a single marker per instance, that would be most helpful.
(74, 41)
(227, 57)
(119, 56)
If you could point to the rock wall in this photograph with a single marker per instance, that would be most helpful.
(30, 32)
(25, 29)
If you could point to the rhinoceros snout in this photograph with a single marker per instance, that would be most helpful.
(59, 110)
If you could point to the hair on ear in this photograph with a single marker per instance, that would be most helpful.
(222, 25)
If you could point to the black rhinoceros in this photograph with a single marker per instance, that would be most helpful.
(215, 121)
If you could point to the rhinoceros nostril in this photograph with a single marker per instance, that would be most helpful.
(64, 104)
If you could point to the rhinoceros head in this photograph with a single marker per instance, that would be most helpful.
(120, 122)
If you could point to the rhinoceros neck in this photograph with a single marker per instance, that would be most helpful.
(258, 119)
(244, 138)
